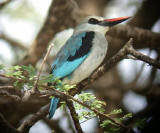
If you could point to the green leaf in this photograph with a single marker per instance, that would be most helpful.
(15, 83)
(63, 104)
(115, 112)
(68, 87)
(140, 123)
(15, 71)
(109, 126)
(105, 123)
(18, 84)
(113, 130)
(17, 67)
(78, 106)
(1, 66)
(129, 115)
(31, 70)
(47, 79)
(51, 97)
(92, 101)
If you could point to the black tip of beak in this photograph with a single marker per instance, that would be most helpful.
(114, 21)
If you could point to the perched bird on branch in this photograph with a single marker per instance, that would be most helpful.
(82, 53)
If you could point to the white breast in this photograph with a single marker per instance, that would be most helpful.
(95, 58)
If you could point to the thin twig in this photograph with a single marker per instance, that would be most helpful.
(130, 57)
(27, 124)
(87, 119)
(69, 120)
(28, 93)
(14, 97)
(13, 42)
(41, 67)
(5, 126)
(54, 124)
(133, 84)
(74, 116)
(142, 57)
(13, 78)
(153, 74)
(7, 87)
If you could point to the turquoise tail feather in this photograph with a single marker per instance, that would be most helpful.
(53, 107)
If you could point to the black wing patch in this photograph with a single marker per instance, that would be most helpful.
(85, 47)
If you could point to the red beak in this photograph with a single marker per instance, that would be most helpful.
(117, 19)
(114, 21)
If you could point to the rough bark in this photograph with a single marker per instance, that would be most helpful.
(147, 14)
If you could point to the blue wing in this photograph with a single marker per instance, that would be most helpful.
(72, 54)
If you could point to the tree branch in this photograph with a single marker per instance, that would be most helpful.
(143, 57)
(27, 124)
(41, 67)
(145, 18)
(6, 127)
(142, 38)
(12, 42)
(4, 3)
(74, 116)
(6, 87)
(14, 97)
(54, 124)
(28, 93)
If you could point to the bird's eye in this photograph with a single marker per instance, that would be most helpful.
(93, 21)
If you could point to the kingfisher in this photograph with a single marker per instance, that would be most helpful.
(82, 53)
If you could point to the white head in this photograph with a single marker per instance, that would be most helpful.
(98, 24)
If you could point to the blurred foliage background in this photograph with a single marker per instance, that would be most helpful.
(131, 85)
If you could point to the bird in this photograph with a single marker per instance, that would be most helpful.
(82, 53)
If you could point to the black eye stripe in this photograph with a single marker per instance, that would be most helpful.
(93, 21)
